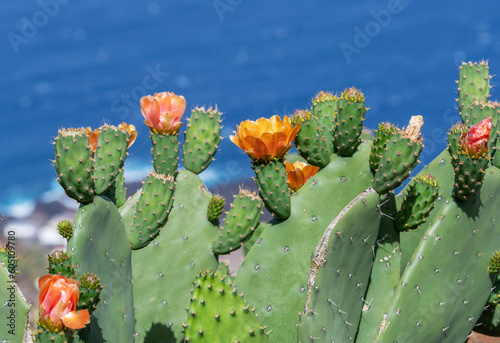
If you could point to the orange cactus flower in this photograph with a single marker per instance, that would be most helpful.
(265, 139)
(163, 112)
(298, 173)
(475, 142)
(131, 130)
(58, 299)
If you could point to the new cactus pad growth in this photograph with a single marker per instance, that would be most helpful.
(60, 264)
(400, 156)
(201, 139)
(240, 222)
(65, 228)
(418, 202)
(313, 141)
(350, 117)
(215, 207)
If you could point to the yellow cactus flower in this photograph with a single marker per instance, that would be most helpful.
(298, 173)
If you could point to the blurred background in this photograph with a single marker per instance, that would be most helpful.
(70, 63)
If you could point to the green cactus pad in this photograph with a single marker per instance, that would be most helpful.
(274, 274)
(215, 207)
(60, 264)
(90, 289)
(339, 273)
(399, 158)
(217, 313)
(314, 144)
(240, 222)
(271, 178)
(350, 117)
(473, 85)
(152, 209)
(13, 310)
(65, 228)
(385, 273)
(418, 202)
(74, 164)
(167, 267)
(109, 156)
(201, 139)
(382, 135)
(9, 258)
(494, 267)
(443, 289)
(325, 108)
(99, 233)
(469, 174)
(165, 153)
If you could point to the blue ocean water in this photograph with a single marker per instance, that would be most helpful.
(69, 64)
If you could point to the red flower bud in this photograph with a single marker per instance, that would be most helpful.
(475, 142)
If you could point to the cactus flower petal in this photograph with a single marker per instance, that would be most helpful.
(298, 173)
(163, 112)
(475, 142)
(76, 319)
(265, 139)
(131, 130)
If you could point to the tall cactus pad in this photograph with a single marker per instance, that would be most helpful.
(442, 291)
(314, 144)
(473, 85)
(350, 117)
(240, 222)
(385, 273)
(215, 207)
(383, 134)
(280, 260)
(273, 187)
(400, 157)
(201, 139)
(418, 202)
(339, 273)
(152, 209)
(99, 232)
(166, 268)
(217, 313)
(13, 310)
(110, 155)
(165, 153)
(325, 109)
(74, 165)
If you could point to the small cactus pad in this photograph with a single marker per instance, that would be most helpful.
(339, 273)
(469, 174)
(152, 209)
(418, 202)
(65, 228)
(110, 155)
(43, 335)
(350, 117)
(90, 288)
(383, 134)
(273, 187)
(454, 138)
(201, 139)
(215, 207)
(217, 313)
(165, 153)
(60, 263)
(325, 109)
(400, 156)
(313, 142)
(473, 85)
(240, 222)
(73, 163)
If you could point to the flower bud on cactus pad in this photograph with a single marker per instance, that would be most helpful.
(494, 267)
(473, 85)
(65, 228)
(60, 264)
(350, 117)
(382, 135)
(215, 207)
(90, 288)
(313, 141)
